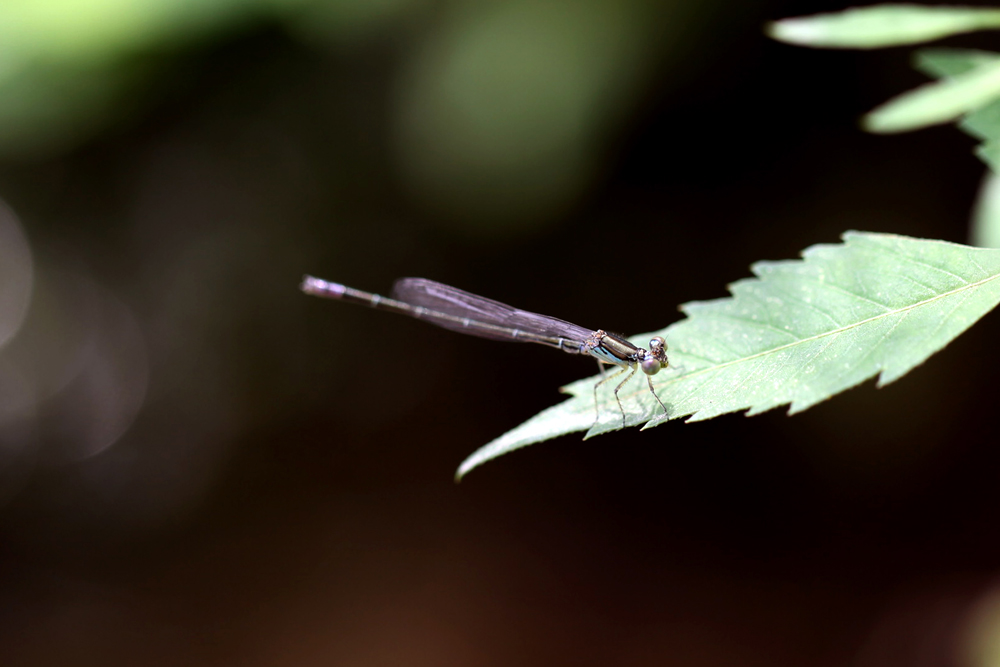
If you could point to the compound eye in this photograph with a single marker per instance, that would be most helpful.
(657, 344)
(651, 365)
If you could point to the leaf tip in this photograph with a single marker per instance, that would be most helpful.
(466, 466)
(799, 31)
(883, 120)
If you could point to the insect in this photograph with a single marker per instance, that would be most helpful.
(455, 309)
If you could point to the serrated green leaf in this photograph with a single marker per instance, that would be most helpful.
(882, 25)
(938, 102)
(798, 333)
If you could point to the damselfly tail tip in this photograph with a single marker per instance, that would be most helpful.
(319, 287)
(308, 284)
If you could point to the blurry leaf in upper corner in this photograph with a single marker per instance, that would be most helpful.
(882, 25)
(504, 109)
(940, 101)
(985, 231)
(946, 62)
(69, 68)
(984, 122)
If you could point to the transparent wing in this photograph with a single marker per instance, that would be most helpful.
(458, 303)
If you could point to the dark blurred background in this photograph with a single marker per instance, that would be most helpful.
(199, 465)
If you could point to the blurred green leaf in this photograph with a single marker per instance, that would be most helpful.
(70, 68)
(938, 102)
(882, 25)
(947, 62)
(94, 30)
(798, 333)
(985, 231)
(501, 111)
(983, 123)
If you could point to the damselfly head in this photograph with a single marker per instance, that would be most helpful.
(656, 359)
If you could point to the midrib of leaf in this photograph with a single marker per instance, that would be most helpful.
(842, 329)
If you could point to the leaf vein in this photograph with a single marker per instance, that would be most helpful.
(919, 262)
(762, 325)
(801, 367)
(862, 297)
(943, 320)
(848, 327)
(917, 282)
(790, 297)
